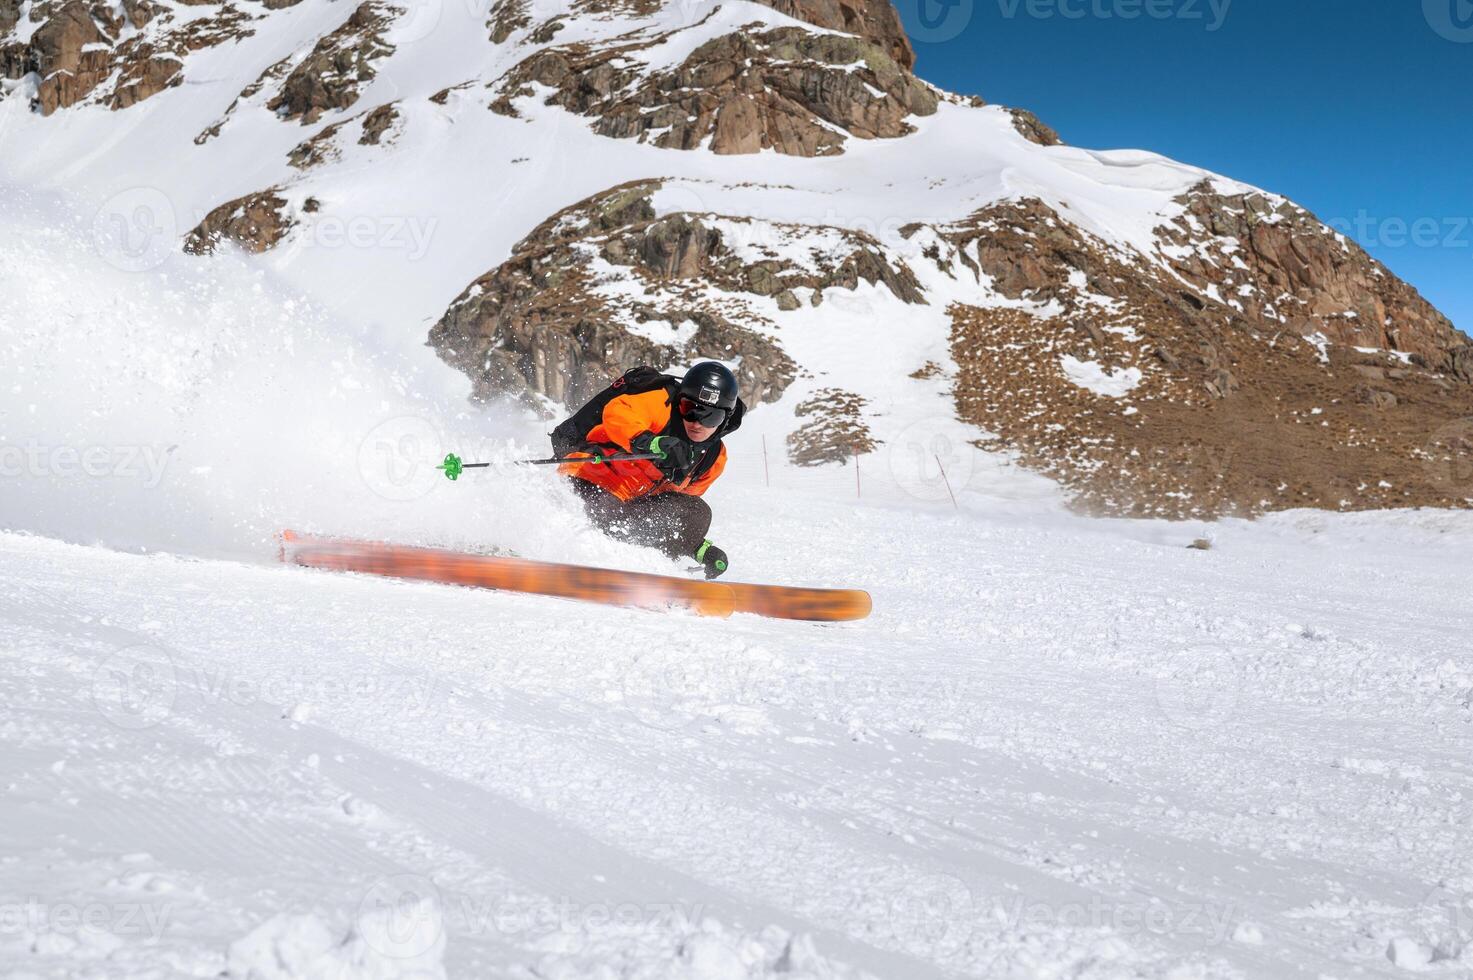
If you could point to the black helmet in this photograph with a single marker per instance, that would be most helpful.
(708, 393)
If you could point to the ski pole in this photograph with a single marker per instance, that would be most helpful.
(453, 466)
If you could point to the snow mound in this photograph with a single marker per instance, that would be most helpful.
(400, 943)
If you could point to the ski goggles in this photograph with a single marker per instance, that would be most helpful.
(710, 416)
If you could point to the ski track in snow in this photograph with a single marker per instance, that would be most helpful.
(1065, 749)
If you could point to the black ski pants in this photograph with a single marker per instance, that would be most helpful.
(676, 523)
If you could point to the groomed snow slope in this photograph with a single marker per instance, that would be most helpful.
(1059, 748)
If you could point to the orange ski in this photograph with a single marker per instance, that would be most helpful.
(812, 605)
(603, 585)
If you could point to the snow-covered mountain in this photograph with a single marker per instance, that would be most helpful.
(550, 191)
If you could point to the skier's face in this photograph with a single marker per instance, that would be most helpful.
(697, 432)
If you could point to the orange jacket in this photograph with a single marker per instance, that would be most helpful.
(624, 418)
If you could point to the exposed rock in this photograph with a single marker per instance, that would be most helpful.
(376, 123)
(317, 149)
(874, 20)
(508, 17)
(71, 55)
(785, 89)
(9, 15)
(1214, 410)
(255, 222)
(145, 74)
(331, 77)
(835, 431)
(1295, 272)
(1034, 129)
(77, 48)
(540, 323)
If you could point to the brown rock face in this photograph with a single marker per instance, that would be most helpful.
(785, 89)
(255, 222)
(538, 322)
(834, 430)
(1301, 274)
(1219, 410)
(72, 56)
(1034, 129)
(77, 49)
(873, 20)
(341, 63)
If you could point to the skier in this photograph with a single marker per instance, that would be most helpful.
(680, 421)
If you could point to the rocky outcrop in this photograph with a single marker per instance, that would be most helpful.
(874, 20)
(1275, 262)
(1034, 129)
(71, 55)
(1144, 396)
(556, 319)
(137, 44)
(785, 89)
(833, 430)
(255, 222)
(340, 64)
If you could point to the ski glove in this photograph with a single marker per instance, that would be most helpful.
(712, 559)
(675, 456)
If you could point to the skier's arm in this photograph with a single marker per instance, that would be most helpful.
(629, 415)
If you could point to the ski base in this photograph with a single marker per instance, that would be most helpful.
(602, 585)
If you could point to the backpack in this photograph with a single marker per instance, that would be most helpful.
(572, 434)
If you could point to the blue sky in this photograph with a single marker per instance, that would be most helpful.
(1360, 110)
